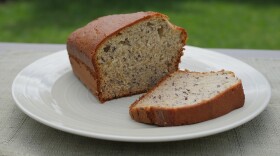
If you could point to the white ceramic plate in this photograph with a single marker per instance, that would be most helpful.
(48, 92)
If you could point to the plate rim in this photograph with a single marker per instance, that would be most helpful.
(111, 137)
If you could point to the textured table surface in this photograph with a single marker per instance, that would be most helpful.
(21, 135)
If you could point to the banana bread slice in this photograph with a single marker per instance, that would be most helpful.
(126, 54)
(189, 97)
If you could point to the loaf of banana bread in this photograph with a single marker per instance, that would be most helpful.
(125, 54)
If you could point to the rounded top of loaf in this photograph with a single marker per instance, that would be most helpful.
(88, 38)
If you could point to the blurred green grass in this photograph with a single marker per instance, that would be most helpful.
(213, 24)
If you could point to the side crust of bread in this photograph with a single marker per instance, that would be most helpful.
(225, 102)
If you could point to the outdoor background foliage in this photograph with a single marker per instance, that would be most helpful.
(250, 24)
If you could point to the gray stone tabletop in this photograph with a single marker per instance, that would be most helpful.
(21, 135)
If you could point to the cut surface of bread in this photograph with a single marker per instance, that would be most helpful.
(189, 97)
(129, 58)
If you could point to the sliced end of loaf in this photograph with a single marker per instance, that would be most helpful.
(189, 97)
(136, 58)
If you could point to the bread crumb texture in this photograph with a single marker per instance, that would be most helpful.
(137, 57)
(183, 88)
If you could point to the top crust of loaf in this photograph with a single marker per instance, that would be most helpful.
(84, 42)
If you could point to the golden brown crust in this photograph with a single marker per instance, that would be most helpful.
(84, 42)
(84, 73)
(222, 104)
(184, 37)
